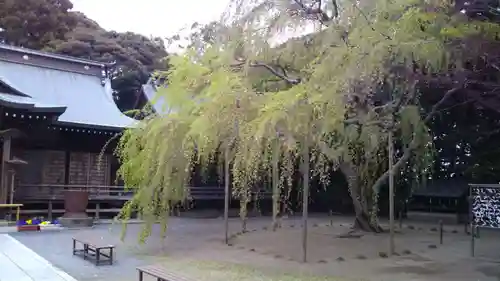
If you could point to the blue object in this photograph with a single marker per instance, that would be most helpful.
(34, 222)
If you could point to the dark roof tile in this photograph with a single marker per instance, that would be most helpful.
(87, 101)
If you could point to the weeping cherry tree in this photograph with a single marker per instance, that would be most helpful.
(327, 99)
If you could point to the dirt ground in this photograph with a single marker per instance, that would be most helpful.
(195, 248)
(419, 254)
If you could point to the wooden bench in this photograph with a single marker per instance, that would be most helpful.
(160, 273)
(94, 248)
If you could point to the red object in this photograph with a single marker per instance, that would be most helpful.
(28, 227)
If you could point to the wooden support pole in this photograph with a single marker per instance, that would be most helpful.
(472, 240)
(441, 230)
(305, 196)
(400, 218)
(391, 193)
(275, 183)
(226, 195)
(471, 224)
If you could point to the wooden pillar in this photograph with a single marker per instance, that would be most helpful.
(89, 163)
(67, 156)
(50, 215)
(4, 183)
(97, 210)
(12, 186)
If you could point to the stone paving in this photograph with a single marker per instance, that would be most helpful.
(185, 237)
(19, 263)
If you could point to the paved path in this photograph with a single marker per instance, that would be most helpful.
(19, 263)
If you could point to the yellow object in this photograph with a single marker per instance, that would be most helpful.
(17, 206)
(28, 222)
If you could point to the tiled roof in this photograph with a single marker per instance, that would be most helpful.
(50, 55)
(87, 101)
(23, 102)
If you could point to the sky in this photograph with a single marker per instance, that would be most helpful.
(150, 17)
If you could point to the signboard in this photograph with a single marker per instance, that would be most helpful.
(485, 206)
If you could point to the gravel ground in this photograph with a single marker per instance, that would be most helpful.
(194, 247)
(56, 246)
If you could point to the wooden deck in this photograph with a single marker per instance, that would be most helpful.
(41, 192)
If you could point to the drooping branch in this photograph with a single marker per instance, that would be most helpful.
(274, 70)
(414, 143)
(277, 70)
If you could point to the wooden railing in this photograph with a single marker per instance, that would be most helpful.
(56, 192)
(218, 193)
(25, 192)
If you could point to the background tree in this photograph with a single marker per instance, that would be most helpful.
(50, 25)
(387, 56)
(33, 23)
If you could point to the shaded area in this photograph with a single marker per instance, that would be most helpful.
(451, 188)
(446, 196)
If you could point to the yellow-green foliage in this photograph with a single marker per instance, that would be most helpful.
(217, 106)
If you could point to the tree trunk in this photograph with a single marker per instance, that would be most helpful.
(362, 221)
(244, 200)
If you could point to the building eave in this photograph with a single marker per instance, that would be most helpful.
(54, 56)
(88, 126)
(28, 103)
